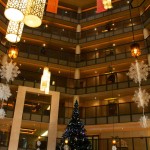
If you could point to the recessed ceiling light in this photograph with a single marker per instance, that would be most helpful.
(114, 44)
(128, 2)
(95, 71)
(66, 12)
(24, 41)
(95, 49)
(95, 29)
(63, 29)
(94, 97)
(113, 24)
(46, 26)
(20, 64)
(59, 71)
(62, 48)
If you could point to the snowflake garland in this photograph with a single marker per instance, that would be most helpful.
(114, 147)
(38, 143)
(141, 97)
(138, 71)
(5, 92)
(144, 121)
(2, 113)
(9, 71)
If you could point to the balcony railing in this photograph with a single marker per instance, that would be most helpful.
(101, 114)
(105, 114)
(61, 57)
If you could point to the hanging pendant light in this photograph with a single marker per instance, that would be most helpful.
(34, 13)
(45, 80)
(135, 49)
(15, 10)
(13, 52)
(14, 31)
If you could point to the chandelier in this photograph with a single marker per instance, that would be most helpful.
(45, 80)
(15, 10)
(107, 4)
(34, 13)
(20, 12)
(14, 31)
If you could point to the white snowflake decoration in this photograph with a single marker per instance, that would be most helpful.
(2, 113)
(141, 97)
(66, 147)
(38, 149)
(38, 143)
(144, 121)
(5, 92)
(114, 147)
(9, 71)
(138, 71)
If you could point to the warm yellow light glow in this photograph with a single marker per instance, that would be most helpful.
(13, 52)
(107, 4)
(114, 141)
(135, 50)
(15, 10)
(45, 80)
(14, 31)
(34, 13)
(66, 141)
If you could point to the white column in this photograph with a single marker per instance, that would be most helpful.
(78, 29)
(148, 58)
(145, 33)
(77, 73)
(79, 11)
(52, 130)
(78, 49)
(17, 119)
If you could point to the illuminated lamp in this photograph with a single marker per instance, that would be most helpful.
(114, 141)
(135, 50)
(15, 10)
(13, 52)
(34, 13)
(45, 80)
(14, 31)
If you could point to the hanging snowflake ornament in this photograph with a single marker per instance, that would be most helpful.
(2, 113)
(38, 143)
(66, 147)
(38, 149)
(141, 97)
(144, 121)
(5, 92)
(9, 71)
(114, 147)
(138, 71)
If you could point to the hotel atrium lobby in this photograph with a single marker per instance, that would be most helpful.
(66, 60)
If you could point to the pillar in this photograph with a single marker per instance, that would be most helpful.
(77, 77)
(148, 58)
(17, 119)
(145, 33)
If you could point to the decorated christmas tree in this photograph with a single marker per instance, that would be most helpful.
(74, 137)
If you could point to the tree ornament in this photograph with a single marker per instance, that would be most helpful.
(141, 97)
(144, 121)
(114, 147)
(5, 92)
(9, 71)
(138, 71)
(2, 113)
